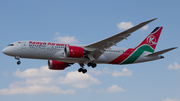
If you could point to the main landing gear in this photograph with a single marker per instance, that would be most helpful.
(82, 68)
(92, 64)
(18, 58)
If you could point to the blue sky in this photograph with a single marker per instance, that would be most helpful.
(85, 22)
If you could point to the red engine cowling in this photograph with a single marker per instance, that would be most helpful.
(74, 51)
(57, 65)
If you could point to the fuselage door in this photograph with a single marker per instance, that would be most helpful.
(23, 45)
(19, 45)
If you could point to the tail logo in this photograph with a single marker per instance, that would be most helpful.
(151, 40)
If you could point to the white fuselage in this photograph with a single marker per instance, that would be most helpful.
(55, 51)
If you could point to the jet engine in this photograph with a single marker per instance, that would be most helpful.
(74, 51)
(57, 65)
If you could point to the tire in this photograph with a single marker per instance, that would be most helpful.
(19, 62)
(89, 64)
(94, 65)
(80, 70)
(84, 71)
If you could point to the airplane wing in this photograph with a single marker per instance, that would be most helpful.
(98, 48)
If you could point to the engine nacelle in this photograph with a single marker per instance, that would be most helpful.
(74, 51)
(57, 65)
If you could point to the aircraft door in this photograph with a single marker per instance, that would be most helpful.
(19, 45)
(23, 45)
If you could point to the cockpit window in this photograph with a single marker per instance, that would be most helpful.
(11, 45)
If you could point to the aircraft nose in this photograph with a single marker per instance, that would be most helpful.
(4, 50)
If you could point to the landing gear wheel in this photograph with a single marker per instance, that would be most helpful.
(19, 62)
(89, 64)
(94, 65)
(80, 70)
(84, 71)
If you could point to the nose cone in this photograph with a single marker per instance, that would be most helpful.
(4, 51)
(8, 51)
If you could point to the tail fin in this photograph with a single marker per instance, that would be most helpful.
(150, 42)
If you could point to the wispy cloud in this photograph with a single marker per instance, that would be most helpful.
(5, 73)
(18, 88)
(124, 72)
(57, 33)
(35, 72)
(171, 99)
(112, 89)
(78, 80)
(37, 81)
(96, 72)
(145, 27)
(43, 80)
(176, 66)
(65, 39)
(125, 25)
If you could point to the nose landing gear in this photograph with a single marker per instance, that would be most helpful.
(18, 58)
(19, 62)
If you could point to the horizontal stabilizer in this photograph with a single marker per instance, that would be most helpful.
(161, 52)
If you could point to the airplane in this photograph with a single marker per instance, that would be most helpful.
(60, 55)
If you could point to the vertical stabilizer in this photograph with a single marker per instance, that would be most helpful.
(150, 42)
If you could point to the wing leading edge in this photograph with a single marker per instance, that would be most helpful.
(98, 48)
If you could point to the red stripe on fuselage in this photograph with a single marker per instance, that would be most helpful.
(122, 57)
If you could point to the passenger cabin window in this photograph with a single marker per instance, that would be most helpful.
(11, 45)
